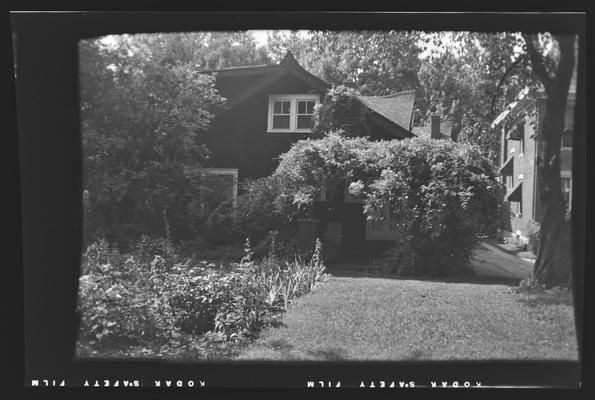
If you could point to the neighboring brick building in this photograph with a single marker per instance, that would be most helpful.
(519, 127)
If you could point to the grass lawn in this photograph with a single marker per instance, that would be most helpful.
(365, 318)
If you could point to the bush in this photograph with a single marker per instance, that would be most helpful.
(118, 299)
(531, 232)
(440, 192)
(125, 300)
(341, 109)
(201, 249)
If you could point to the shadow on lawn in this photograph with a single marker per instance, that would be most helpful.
(471, 278)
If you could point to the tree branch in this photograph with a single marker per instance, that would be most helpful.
(516, 62)
(537, 62)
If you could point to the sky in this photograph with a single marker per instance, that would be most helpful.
(261, 35)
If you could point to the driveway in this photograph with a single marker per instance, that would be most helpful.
(492, 262)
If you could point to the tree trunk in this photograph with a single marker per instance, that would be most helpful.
(553, 264)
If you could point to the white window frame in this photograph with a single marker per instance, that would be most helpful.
(293, 99)
(567, 175)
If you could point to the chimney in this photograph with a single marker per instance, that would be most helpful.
(435, 126)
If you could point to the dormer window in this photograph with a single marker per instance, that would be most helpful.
(291, 113)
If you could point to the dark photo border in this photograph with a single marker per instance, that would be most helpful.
(49, 150)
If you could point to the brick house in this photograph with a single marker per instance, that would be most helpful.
(519, 127)
(270, 107)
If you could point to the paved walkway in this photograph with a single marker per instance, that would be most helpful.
(490, 261)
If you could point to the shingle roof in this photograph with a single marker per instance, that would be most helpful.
(396, 107)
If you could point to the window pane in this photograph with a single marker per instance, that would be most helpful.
(281, 122)
(286, 107)
(567, 138)
(304, 122)
(301, 107)
(310, 107)
(277, 107)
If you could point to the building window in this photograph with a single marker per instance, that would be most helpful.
(566, 183)
(567, 138)
(516, 209)
(305, 114)
(281, 114)
(291, 113)
(509, 181)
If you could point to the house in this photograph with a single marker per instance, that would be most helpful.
(519, 126)
(270, 107)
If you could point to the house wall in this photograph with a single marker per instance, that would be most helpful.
(239, 138)
(525, 163)
(523, 171)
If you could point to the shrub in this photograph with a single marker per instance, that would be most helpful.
(341, 109)
(531, 231)
(201, 249)
(118, 298)
(125, 300)
(440, 192)
(146, 248)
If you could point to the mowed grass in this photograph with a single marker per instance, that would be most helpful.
(364, 318)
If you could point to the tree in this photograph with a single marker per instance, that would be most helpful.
(372, 62)
(554, 69)
(143, 103)
(473, 77)
(341, 109)
(467, 75)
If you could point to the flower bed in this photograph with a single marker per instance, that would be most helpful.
(166, 306)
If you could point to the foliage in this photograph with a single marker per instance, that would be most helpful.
(141, 115)
(531, 231)
(469, 76)
(144, 106)
(125, 300)
(440, 192)
(341, 109)
(372, 62)
(119, 299)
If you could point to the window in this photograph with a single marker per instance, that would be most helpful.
(305, 113)
(567, 138)
(516, 209)
(509, 181)
(291, 113)
(566, 183)
(281, 114)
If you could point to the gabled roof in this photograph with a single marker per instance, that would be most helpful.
(241, 70)
(393, 112)
(396, 107)
(271, 74)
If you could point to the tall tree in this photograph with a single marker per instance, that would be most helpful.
(472, 77)
(554, 69)
(374, 63)
(141, 112)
